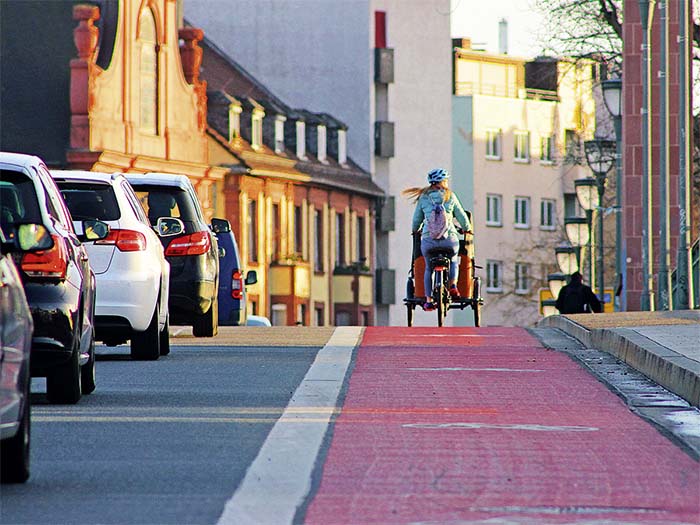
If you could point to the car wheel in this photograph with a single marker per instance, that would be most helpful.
(87, 372)
(207, 324)
(63, 385)
(165, 338)
(145, 346)
(14, 451)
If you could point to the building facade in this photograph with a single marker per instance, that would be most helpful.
(363, 63)
(518, 133)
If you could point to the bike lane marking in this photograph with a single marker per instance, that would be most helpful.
(279, 479)
(478, 446)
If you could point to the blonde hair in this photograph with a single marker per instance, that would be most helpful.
(413, 194)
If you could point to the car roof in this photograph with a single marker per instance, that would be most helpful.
(160, 179)
(84, 175)
(19, 159)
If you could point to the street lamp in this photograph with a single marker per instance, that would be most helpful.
(586, 193)
(600, 156)
(577, 230)
(556, 282)
(549, 307)
(567, 259)
(612, 96)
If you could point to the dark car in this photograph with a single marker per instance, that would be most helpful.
(193, 255)
(233, 309)
(16, 328)
(58, 281)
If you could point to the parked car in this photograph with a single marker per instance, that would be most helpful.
(233, 303)
(132, 274)
(193, 254)
(16, 328)
(58, 281)
(257, 320)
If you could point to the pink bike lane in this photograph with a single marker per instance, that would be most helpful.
(465, 425)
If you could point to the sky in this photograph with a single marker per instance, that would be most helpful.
(478, 20)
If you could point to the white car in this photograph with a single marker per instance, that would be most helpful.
(132, 274)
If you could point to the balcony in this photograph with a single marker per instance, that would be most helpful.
(290, 277)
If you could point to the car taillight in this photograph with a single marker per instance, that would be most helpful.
(125, 240)
(196, 243)
(237, 285)
(49, 264)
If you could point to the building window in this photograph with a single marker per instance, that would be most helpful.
(276, 232)
(494, 276)
(522, 285)
(318, 236)
(522, 212)
(279, 133)
(279, 314)
(340, 239)
(256, 129)
(522, 146)
(252, 231)
(547, 214)
(234, 122)
(298, 231)
(572, 145)
(301, 139)
(493, 210)
(301, 314)
(546, 144)
(319, 315)
(321, 144)
(342, 147)
(361, 251)
(493, 144)
(148, 73)
(572, 207)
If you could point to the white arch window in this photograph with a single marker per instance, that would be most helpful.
(148, 73)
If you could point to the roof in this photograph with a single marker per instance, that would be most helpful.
(84, 175)
(159, 179)
(19, 159)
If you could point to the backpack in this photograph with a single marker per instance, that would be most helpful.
(436, 222)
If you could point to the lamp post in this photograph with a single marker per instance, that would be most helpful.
(646, 10)
(612, 96)
(556, 282)
(586, 193)
(549, 307)
(600, 155)
(567, 259)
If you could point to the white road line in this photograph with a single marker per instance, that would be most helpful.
(279, 478)
(536, 428)
(462, 369)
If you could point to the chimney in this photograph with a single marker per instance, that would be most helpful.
(503, 37)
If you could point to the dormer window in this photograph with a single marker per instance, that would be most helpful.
(256, 136)
(321, 144)
(279, 133)
(342, 147)
(301, 139)
(234, 122)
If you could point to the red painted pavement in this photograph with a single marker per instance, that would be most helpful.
(578, 456)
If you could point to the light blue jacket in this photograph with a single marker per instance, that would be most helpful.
(453, 207)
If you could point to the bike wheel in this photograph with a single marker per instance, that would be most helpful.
(476, 305)
(439, 296)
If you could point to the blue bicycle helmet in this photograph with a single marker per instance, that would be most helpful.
(437, 175)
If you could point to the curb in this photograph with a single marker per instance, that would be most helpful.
(669, 369)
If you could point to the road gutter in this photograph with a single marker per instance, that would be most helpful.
(278, 481)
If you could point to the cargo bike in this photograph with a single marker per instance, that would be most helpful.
(468, 284)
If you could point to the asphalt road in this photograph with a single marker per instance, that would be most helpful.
(157, 442)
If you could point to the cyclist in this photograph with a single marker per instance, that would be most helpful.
(426, 199)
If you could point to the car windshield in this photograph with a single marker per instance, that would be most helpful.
(167, 201)
(90, 200)
(18, 202)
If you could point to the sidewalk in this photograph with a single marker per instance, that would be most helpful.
(664, 346)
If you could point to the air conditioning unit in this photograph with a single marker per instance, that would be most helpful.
(384, 139)
(386, 286)
(383, 65)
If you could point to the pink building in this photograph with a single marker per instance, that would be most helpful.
(633, 72)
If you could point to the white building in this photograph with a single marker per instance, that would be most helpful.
(321, 55)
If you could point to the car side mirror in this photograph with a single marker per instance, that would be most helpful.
(220, 225)
(94, 231)
(33, 237)
(251, 277)
(168, 226)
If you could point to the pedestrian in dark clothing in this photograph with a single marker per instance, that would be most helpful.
(577, 298)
